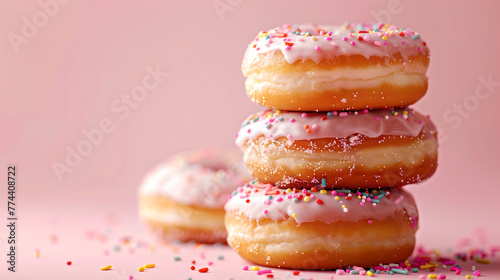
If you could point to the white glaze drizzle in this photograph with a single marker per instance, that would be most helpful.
(381, 40)
(270, 202)
(202, 178)
(374, 123)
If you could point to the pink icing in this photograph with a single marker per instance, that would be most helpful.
(203, 178)
(373, 123)
(351, 39)
(328, 209)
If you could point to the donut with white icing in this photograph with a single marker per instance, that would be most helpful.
(183, 197)
(304, 229)
(354, 149)
(324, 68)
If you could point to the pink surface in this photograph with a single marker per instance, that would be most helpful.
(76, 69)
(90, 248)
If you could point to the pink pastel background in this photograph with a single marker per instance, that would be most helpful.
(67, 76)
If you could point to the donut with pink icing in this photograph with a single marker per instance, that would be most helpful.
(324, 68)
(183, 197)
(312, 229)
(350, 149)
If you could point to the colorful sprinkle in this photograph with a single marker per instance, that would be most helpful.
(203, 270)
(264, 271)
(400, 271)
(483, 261)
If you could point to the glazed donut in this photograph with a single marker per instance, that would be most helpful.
(325, 68)
(183, 197)
(355, 149)
(320, 229)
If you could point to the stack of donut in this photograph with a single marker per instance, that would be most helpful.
(331, 154)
